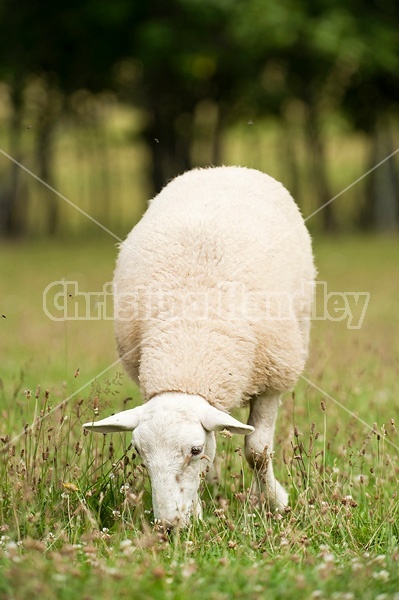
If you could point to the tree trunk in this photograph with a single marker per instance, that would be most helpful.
(44, 155)
(384, 181)
(316, 153)
(216, 153)
(170, 149)
(13, 199)
(289, 159)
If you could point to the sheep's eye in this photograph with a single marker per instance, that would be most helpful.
(196, 450)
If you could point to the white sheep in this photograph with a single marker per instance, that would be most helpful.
(213, 291)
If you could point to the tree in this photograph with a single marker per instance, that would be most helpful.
(65, 46)
(258, 57)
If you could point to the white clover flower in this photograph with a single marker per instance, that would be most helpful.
(284, 542)
(328, 558)
(11, 546)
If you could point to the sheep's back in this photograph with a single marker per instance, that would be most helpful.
(200, 281)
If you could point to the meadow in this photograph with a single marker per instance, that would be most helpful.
(75, 509)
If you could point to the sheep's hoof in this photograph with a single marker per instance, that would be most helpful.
(268, 499)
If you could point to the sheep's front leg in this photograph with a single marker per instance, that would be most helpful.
(259, 449)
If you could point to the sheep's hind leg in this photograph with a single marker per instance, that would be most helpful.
(259, 450)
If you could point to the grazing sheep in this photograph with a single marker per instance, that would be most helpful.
(213, 293)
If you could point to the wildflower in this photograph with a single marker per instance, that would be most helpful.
(328, 558)
(361, 479)
(70, 486)
(381, 575)
(226, 434)
(349, 501)
(189, 569)
(356, 565)
(113, 571)
(11, 546)
(158, 572)
(284, 542)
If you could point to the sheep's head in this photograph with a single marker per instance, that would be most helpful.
(174, 435)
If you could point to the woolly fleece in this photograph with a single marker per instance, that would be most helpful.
(213, 289)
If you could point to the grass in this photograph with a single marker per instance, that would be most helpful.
(75, 509)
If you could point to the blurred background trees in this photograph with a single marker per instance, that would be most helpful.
(108, 101)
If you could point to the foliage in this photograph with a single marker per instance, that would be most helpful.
(303, 64)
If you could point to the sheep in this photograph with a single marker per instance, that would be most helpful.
(212, 291)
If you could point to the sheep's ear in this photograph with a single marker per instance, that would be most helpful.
(126, 420)
(216, 420)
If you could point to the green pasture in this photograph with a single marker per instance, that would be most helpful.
(75, 509)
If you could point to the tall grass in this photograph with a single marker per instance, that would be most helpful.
(75, 509)
(83, 503)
